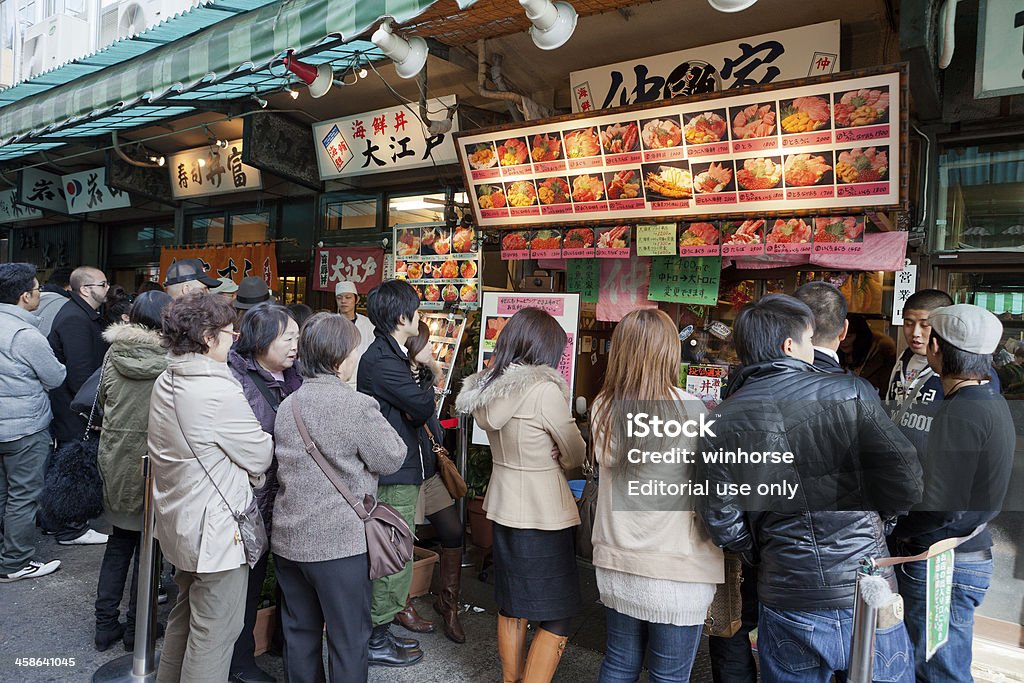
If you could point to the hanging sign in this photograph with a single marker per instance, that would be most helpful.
(903, 287)
(42, 190)
(499, 307)
(939, 587)
(691, 280)
(233, 261)
(833, 143)
(88, 191)
(657, 239)
(999, 66)
(583, 276)
(383, 140)
(363, 266)
(11, 211)
(210, 170)
(706, 383)
(623, 288)
(442, 264)
(780, 56)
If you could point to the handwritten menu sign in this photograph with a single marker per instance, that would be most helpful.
(691, 280)
(441, 263)
(706, 383)
(658, 239)
(583, 276)
(832, 143)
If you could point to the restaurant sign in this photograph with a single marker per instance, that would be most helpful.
(11, 211)
(769, 58)
(88, 191)
(209, 170)
(363, 266)
(384, 140)
(830, 143)
(42, 190)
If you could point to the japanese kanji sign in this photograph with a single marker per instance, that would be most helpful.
(363, 266)
(87, 191)
(705, 382)
(583, 276)
(656, 239)
(11, 211)
(383, 140)
(689, 280)
(780, 56)
(235, 262)
(42, 190)
(904, 285)
(939, 586)
(210, 170)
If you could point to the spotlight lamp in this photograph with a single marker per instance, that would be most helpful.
(363, 73)
(731, 5)
(409, 55)
(553, 22)
(294, 94)
(259, 100)
(318, 78)
(158, 160)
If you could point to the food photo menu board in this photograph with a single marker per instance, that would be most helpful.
(441, 263)
(445, 338)
(832, 143)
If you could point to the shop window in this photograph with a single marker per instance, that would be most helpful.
(131, 239)
(980, 198)
(250, 227)
(229, 227)
(1000, 292)
(421, 208)
(358, 214)
(291, 289)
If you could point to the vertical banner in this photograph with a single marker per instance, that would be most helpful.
(233, 261)
(583, 276)
(496, 310)
(940, 590)
(624, 287)
(362, 265)
(904, 285)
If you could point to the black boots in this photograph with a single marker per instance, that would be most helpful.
(388, 650)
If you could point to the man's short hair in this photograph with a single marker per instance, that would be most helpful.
(959, 363)
(389, 302)
(829, 308)
(81, 276)
(60, 277)
(927, 300)
(15, 280)
(763, 326)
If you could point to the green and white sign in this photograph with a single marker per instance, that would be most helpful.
(940, 588)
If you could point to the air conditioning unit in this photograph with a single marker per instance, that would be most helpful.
(53, 41)
(135, 16)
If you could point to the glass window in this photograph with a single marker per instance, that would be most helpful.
(980, 198)
(423, 208)
(133, 239)
(244, 226)
(291, 289)
(207, 230)
(359, 214)
(250, 227)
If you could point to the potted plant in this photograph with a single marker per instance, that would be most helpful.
(478, 473)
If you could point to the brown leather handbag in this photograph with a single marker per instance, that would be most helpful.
(453, 481)
(587, 507)
(388, 537)
(725, 615)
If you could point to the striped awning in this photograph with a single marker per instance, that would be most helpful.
(207, 63)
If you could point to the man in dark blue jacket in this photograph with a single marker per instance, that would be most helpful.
(846, 461)
(385, 374)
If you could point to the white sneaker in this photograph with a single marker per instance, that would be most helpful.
(33, 571)
(90, 537)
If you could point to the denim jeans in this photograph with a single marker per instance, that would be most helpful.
(952, 661)
(670, 650)
(808, 647)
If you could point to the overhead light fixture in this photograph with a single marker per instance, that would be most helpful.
(202, 162)
(408, 55)
(158, 160)
(259, 100)
(363, 73)
(553, 22)
(293, 93)
(223, 144)
(731, 5)
(318, 78)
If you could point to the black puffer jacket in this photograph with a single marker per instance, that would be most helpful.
(848, 458)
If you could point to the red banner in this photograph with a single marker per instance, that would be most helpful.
(228, 260)
(362, 265)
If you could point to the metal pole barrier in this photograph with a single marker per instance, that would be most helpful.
(461, 461)
(140, 666)
(865, 617)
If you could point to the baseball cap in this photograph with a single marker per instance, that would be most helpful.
(252, 290)
(967, 327)
(187, 270)
(226, 286)
(345, 287)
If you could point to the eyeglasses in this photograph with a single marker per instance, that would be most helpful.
(98, 284)
(234, 335)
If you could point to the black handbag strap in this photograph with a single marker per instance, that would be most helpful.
(264, 388)
(318, 458)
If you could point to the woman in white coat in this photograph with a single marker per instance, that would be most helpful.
(207, 451)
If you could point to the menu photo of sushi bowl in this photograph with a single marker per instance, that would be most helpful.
(481, 155)
(491, 196)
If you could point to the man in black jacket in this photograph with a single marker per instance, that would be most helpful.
(77, 340)
(833, 458)
(968, 463)
(385, 374)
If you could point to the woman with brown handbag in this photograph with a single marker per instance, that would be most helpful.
(435, 502)
(522, 402)
(656, 565)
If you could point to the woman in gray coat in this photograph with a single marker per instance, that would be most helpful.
(319, 542)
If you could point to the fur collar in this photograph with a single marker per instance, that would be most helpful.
(127, 333)
(514, 381)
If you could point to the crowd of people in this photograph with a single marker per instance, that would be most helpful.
(230, 394)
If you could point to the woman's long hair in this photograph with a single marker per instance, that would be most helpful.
(643, 366)
(531, 337)
(863, 340)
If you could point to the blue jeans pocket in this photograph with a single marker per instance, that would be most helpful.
(969, 588)
(789, 641)
(893, 655)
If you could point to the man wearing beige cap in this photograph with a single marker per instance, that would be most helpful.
(967, 467)
(227, 289)
(346, 296)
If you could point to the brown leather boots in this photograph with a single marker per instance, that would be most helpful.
(447, 603)
(545, 652)
(410, 620)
